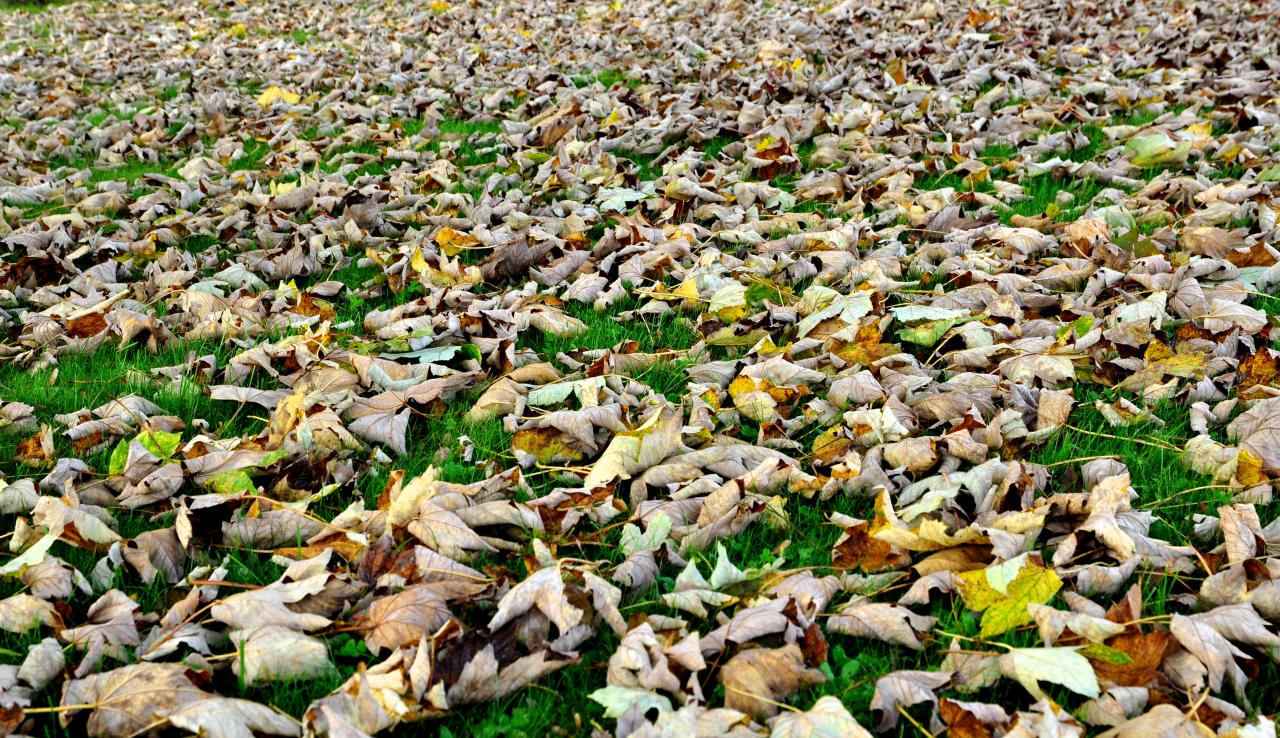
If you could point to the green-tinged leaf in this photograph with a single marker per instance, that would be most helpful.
(233, 482)
(119, 458)
(1158, 149)
(1106, 654)
(927, 334)
(1003, 601)
(162, 444)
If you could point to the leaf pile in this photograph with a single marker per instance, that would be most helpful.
(665, 352)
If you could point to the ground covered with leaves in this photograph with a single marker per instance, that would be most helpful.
(640, 368)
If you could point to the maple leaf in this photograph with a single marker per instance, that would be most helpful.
(1003, 591)
(755, 680)
(1063, 666)
(828, 718)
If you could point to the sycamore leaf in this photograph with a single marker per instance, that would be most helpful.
(634, 451)
(756, 680)
(158, 443)
(223, 717)
(1003, 593)
(927, 334)
(1062, 666)
(129, 700)
(878, 620)
(543, 590)
(828, 718)
(618, 199)
(22, 612)
(275, 94)
(693, 593)
(273, 653)
(904, 689)
(1162, 720)
(616, 700)
(1158, 149)
(404, 618)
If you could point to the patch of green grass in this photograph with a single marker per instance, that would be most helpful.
(607, 78)
(1135, 118)
(98, 117)
(1229, 171)
(1269, 304)
(32, 7)
(1042, 192)
(667, 378)
(806, 540)
(198, 242)
(646, 170)
(713, 147)
(997, 152)
(355, 278)
(1097, 140)
(255, 152)
(664, 331)
(435, 440)
(470, 127)
(251, 87)
(89, 380)
(944, 180)
(132, 171)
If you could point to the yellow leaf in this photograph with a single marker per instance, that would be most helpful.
(1003, 600)
(273, 94)
(452, 242)
(279, 188)
(1183, 365)
(1249, 469)
(930, 535)
(688, 290)
(1200, 130)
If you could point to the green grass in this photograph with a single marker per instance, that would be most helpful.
(31, 7)
(89, 380)
(1097, 142)
(998, 152)
(132, 171)
(1042, 192)
(607, 78)
(255, 152)
(664, 331)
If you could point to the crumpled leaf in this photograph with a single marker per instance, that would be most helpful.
(755, 679)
